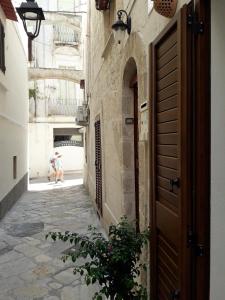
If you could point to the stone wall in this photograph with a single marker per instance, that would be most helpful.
(110, 68)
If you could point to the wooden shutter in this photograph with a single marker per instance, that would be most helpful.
(98, 166)
(2, 48)
(171, 161)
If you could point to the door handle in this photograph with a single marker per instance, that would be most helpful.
(174, 182)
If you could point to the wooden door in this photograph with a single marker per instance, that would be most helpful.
(136, 155)
(171, 205)
(98, 166)
(134, 86)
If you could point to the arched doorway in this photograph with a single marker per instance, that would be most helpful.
(130, 136)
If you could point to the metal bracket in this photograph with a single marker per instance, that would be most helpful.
(200, 250)
(191, 239)
(197, 26)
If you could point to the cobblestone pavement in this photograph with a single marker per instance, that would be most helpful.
(30, 267)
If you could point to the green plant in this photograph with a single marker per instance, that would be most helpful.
(114, 262)
(32, 93)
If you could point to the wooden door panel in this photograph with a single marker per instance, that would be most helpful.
(166, 172)
(167, 69)
(168, 196)
(167, 57)
(167, 161)
(167, 127)
(171, 158)
(169, 42)
(169, 103)
(167, 139)
(166, 116)
(169, 150)
(167, 92)
(165, 184)
(167, 80)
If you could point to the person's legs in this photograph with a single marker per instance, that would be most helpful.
(61, 176)
(57, 176)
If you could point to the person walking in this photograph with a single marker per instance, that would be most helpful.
(52, 169)
(58, 167)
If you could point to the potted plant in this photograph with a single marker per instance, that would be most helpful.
(114, 262)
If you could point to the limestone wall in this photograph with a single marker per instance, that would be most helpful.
(111, 67)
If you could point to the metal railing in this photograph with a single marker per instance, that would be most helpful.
(63, 107)
(65, 35)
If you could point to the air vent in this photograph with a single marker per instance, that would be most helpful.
(166, 8)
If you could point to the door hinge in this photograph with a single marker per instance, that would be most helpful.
(197, 26)
(199, 249)
(190, 238)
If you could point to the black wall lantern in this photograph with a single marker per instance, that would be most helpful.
(120, 27)
(31, 15)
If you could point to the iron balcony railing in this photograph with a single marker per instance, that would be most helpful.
(64, 35)
(63, 107)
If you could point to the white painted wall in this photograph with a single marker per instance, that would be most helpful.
(41, 149)
(72, 157)
(13, 110)
(217, 274)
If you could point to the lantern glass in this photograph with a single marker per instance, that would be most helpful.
(121, 26)
(31, 16)
(119, 35)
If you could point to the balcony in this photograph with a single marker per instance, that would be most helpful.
(63, 107)
(65, 36)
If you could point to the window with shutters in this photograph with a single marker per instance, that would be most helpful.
(2, 48)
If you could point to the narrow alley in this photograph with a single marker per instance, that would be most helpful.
(30, 266)
(121, 104)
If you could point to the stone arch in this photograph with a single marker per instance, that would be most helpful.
(51, 73)
(134, 59)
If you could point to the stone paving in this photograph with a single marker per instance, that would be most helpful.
(30, 266)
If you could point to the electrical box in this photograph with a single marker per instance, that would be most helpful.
(144, 122)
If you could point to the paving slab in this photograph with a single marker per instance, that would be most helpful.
(30, 265)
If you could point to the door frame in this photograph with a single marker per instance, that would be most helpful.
(202, 149)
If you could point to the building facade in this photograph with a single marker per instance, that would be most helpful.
(13, 110)
(55, 94)
(154, 139)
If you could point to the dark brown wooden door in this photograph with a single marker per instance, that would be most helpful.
(171, 162)
(136, 155)
(98, 166)
(134, 86)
